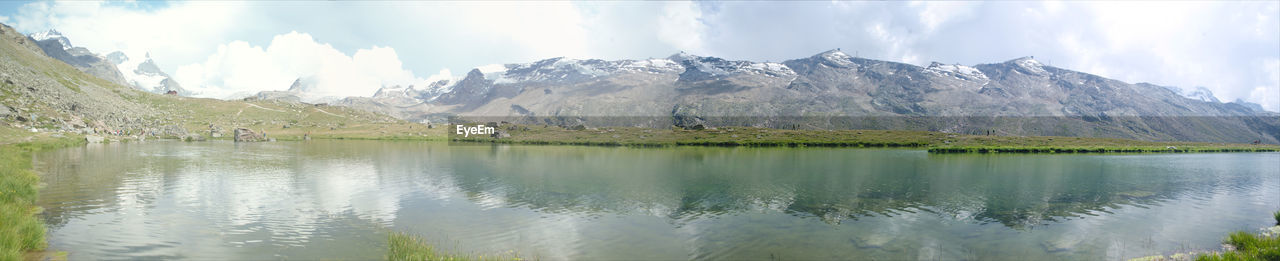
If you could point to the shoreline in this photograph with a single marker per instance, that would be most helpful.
(20, 187)
(28, 143)
(933, 142)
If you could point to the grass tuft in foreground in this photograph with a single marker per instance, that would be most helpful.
(20, 230)
(401, 246)
(1250, 246)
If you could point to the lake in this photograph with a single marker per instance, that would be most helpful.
(340, 199)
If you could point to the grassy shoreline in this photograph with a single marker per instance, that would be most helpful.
(19, 187)
(23, 231)
(934, 142)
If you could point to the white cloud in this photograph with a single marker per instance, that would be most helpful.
(183, 31)
(240, 68)
(1268, 93)
(4, 19)
(680, 26)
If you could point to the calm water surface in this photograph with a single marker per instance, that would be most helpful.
(339, 199)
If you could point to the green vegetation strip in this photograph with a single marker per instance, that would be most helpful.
(936, 142)
(1250, 246)
(20, 230)
(401, 246)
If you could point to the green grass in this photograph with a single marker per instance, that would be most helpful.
(283, 120)
(936, 142)
(20, 230)
(1248, 246)
(401, 246)
(1277, 216)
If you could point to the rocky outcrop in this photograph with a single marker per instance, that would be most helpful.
(247, 135)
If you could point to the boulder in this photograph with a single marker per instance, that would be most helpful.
(247, 135)
(94, 138)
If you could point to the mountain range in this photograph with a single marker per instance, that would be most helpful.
(828, 90)
(116, 67)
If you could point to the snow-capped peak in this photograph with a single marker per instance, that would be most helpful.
(144, 73)
(1199, 93)
(836, 57)
(835, 54)
(1030, 64)
(52, 35)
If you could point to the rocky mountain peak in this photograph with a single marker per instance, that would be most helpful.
(1199, 93)
(834, 54)
(1026, 64)
(474, 74)
(394, 91)
(1251, 106)
(53, 35)
(57, 46)
(834, 57)
(117, 57)
(296, 86)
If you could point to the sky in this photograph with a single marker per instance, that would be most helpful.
(352, 48)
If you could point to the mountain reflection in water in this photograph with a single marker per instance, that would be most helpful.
(332, 199)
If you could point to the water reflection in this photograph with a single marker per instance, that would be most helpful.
(329, 199)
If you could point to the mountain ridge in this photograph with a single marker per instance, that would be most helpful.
(827, 90)
(834, 85)
(115, 67)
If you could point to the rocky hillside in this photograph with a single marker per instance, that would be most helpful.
(833, 90)
(55, 45)
(39, 93)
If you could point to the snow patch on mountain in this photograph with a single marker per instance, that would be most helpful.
(1030, 65)
(718, 67)
(493, 72)
(407, 95)
(652, 65)
(837, 57)
(955, 70)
